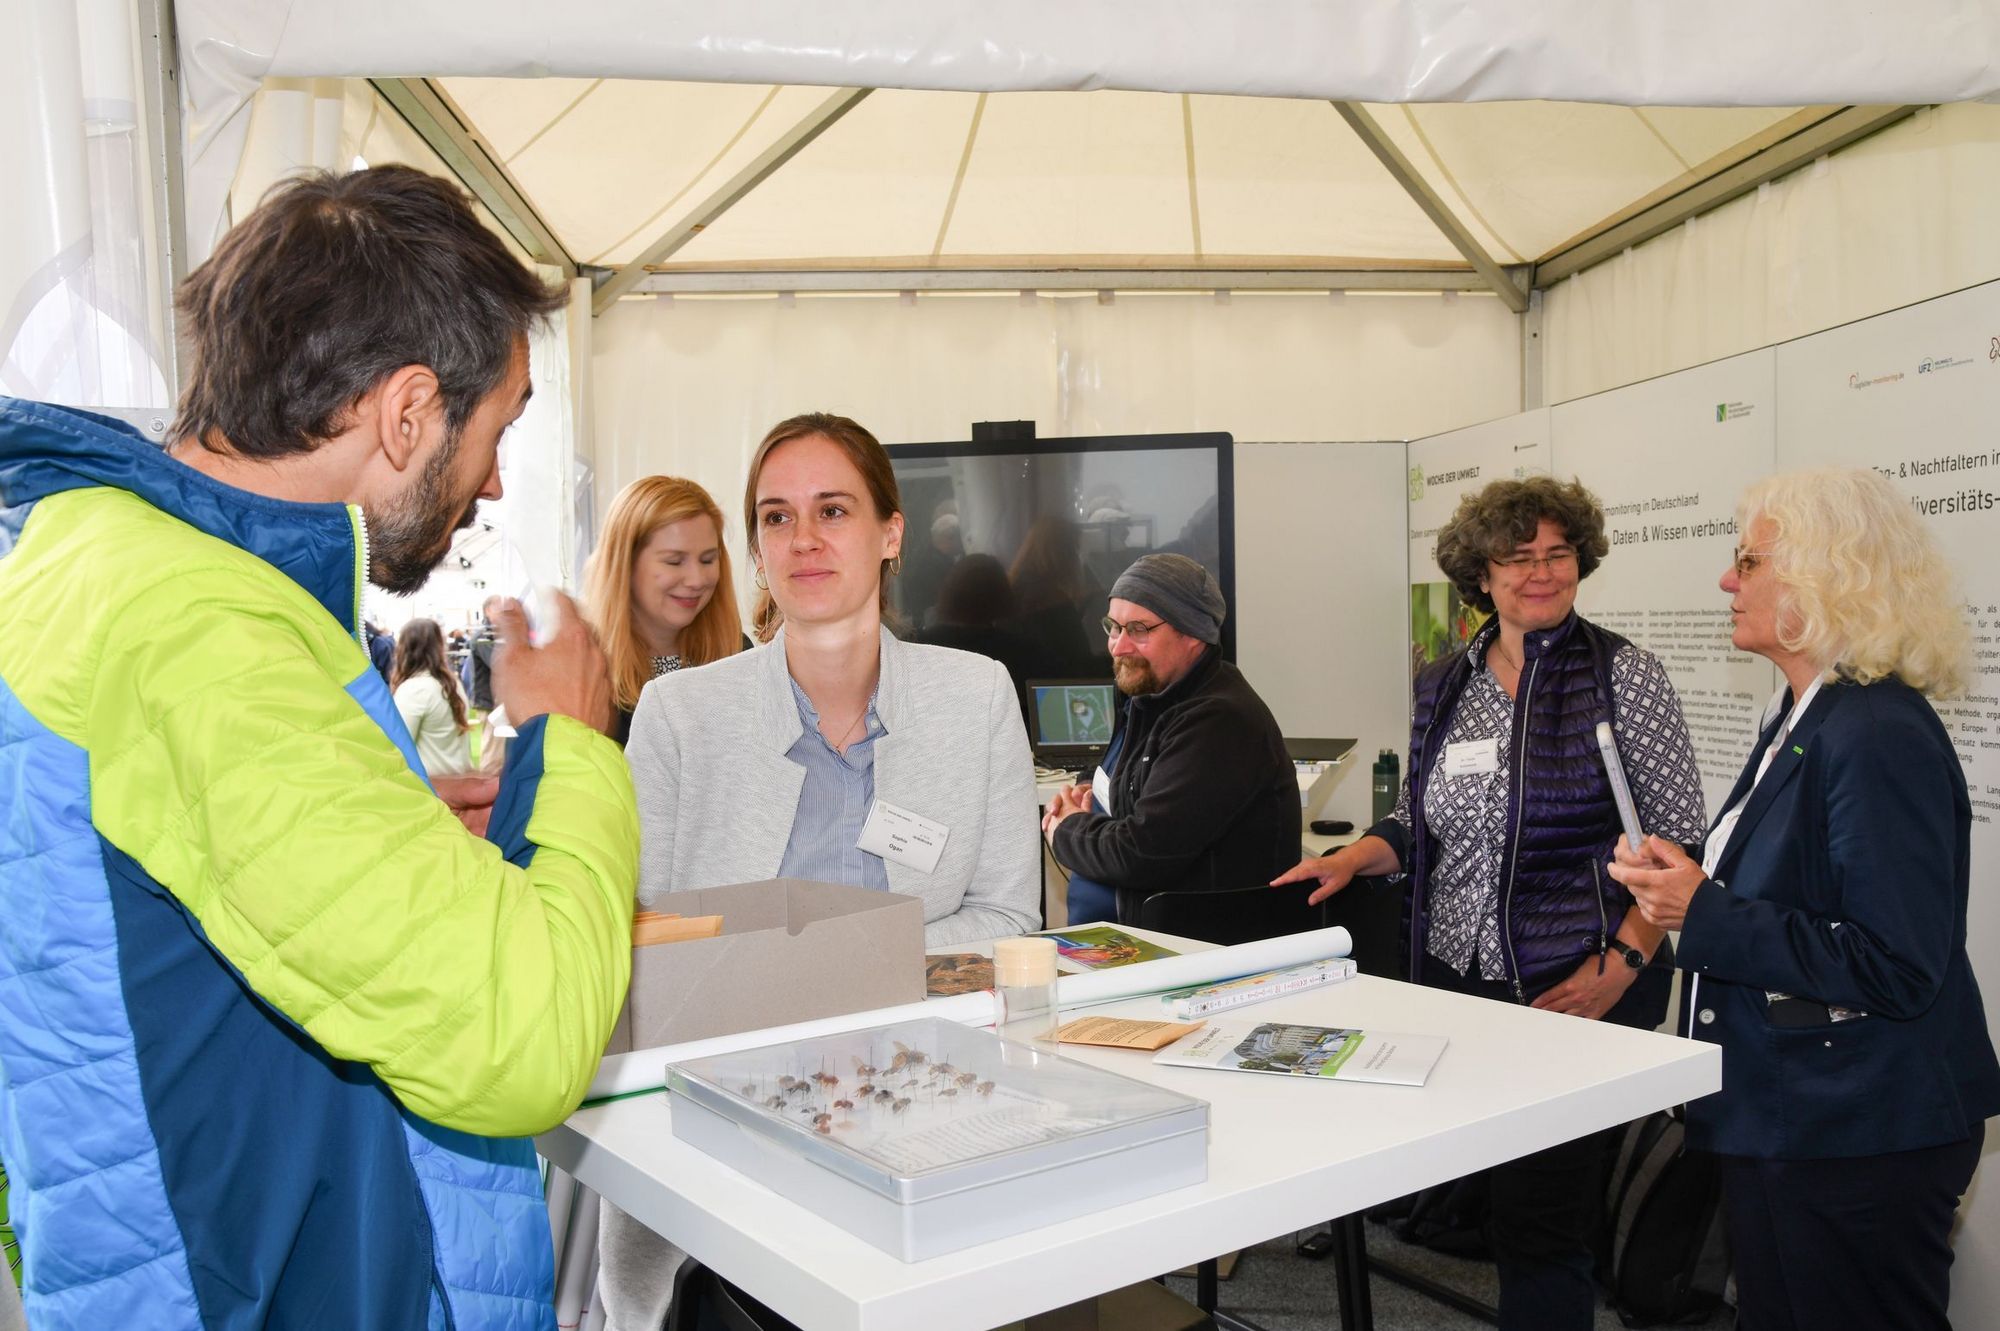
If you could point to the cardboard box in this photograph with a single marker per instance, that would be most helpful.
(790, 950)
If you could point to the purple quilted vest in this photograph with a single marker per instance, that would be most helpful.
(1557, 905)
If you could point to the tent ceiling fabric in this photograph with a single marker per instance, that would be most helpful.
(1625, 52)
(1689, 53)
(1109, 179)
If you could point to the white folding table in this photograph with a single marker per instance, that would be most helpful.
(1284, 1154)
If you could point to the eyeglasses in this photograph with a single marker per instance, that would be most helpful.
(1136, 631)
(1556, 561)
(1746, 561)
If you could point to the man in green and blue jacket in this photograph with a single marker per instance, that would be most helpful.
(273, 1025)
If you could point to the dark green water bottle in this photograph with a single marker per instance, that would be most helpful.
(1386, 784)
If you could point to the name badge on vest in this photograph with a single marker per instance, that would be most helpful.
(902, 837)
(1479, 757)
(1100, 790)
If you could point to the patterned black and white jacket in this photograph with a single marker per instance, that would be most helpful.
(1506, 866)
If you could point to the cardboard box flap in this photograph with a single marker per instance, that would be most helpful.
(790, 950)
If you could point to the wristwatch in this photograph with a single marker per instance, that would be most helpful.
(1633, 956)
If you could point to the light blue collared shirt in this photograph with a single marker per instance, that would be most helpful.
(833, 804)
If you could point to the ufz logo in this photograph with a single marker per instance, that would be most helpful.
(1416, 484)
(1993, 352)
(1932, 364)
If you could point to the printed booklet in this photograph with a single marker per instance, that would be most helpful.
(1309, 1051)
(1102, 945)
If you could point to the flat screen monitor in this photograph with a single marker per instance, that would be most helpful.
(1011, 547)
(1070, 714)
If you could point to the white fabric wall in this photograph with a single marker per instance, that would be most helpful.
(1323, 602)
(687, 386)
(80, 308)
(1909, 214)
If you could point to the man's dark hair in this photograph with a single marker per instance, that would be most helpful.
(335, 282)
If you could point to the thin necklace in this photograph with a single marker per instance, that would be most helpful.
(840, 744)
(1512, 664)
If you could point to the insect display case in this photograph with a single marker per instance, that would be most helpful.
(928, 1136)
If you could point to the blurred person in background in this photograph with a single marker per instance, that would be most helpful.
(428, 700)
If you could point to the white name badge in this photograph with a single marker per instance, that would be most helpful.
(1100, 790)
(902, 837)
(1472, 758)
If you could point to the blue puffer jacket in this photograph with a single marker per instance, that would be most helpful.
(1557, 905)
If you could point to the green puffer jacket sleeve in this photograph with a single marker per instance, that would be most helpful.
(230, 762)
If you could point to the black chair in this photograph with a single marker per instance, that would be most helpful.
(1370, 909)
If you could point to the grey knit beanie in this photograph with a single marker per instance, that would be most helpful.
(1178, 590)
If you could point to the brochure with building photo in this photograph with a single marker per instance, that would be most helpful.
(1332, 1052)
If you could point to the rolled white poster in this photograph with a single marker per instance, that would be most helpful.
(1114, 983)
(644, 1070)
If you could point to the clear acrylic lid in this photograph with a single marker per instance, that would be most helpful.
(924, 1108)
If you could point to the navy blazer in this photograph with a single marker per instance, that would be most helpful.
(1844, 883)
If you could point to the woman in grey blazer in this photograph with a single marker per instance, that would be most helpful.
(783, 761)
(720, 799)
(776, 762)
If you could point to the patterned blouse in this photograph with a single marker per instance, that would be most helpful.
(1468, 813)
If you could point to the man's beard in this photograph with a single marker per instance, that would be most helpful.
(1135, 676)
(410, 538)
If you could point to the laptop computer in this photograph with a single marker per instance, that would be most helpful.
(1069, 722)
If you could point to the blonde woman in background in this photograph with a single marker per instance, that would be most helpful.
(658, 591)
(1823, 930)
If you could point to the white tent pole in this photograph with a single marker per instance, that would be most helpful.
(1838, 130)
(1434, 208)
(760, 279)
(759, 169)
(437, 121)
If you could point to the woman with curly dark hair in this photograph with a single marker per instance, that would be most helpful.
(1506, 824)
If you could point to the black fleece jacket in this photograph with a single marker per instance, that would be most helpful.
(1204, 794)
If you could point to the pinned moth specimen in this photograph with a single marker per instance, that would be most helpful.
(847, 1105)
(899, 1106)
(826, 1079)
(966, 1078)
(823, 1123)
(864, 1070)
(984, 1088)
(886, 1097)
(865, 1089)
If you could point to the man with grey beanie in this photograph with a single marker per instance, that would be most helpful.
(1197, 790)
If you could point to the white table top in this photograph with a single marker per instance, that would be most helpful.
(1283, 1154)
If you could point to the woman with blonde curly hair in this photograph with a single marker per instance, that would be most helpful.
(658, 591)
(1824, 928)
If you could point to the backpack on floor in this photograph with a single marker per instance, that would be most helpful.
(1662, 1257)
(1449, 1217)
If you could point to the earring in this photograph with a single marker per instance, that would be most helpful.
(763, 585)
(895, 565)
